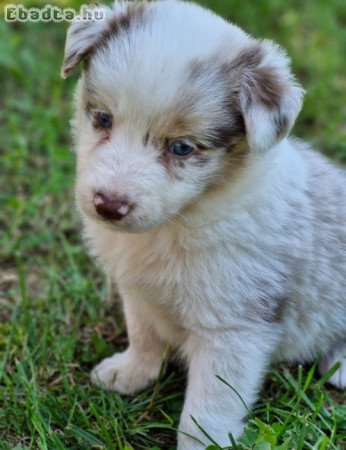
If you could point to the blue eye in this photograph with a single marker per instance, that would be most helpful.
(181, 148)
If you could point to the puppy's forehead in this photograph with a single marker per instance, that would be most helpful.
(151, 54)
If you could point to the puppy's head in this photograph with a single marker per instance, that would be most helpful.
(172, 103)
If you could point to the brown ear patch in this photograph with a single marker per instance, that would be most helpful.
(261, 96)
(73, 59)
(269, 96)
(122, 22)
(260, 83)
(85, 36)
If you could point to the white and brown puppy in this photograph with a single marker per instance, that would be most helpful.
(227, 239)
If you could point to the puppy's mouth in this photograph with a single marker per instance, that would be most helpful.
(118, 215)
(113, 223)
(116, 222)
(131, 224)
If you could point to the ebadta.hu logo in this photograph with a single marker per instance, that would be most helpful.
(50, 13)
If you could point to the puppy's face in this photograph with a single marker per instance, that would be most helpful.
(172, 103)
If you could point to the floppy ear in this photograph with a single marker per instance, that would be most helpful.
(269, 98)
(84, 34)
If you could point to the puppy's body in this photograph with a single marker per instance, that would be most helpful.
(236, 254)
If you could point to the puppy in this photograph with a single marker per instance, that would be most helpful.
(226, 238)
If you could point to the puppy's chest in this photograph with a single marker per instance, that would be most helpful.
(162, 276)
(194, 287)
(181, 283)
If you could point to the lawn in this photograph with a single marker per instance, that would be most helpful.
(56, 321)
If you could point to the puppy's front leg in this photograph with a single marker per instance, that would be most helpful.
(136, 368)
(240, 358)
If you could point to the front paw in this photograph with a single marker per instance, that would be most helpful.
(124, 373)
(191, 438)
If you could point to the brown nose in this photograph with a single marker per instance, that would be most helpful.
(112, 207)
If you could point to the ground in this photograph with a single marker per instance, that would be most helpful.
(55, 323)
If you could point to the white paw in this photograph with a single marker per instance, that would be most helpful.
(217, 427)
(338, 379)
(124, 373)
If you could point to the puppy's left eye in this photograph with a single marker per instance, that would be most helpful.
(103, 120)
(182, 148)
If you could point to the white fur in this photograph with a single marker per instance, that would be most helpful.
(202, 268)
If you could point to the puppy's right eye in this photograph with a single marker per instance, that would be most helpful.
(103, 120)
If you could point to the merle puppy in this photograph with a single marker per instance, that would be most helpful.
(227, 239)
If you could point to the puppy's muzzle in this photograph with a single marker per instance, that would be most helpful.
(111, 207)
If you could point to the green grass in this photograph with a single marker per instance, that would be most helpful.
(54, 322)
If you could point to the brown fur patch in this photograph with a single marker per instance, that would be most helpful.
(173, 130)
(228, 136)
(263, 87)
(146, 138)
(72, 60)
(121, 22)
(170, 126)
(269, 310)
(260, 84)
